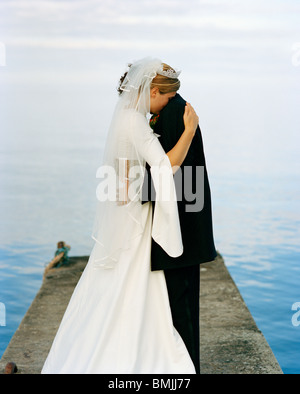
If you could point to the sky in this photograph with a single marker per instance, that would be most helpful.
(240, 63)
(60, 62)
(195, 34)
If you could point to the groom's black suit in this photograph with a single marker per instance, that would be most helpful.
(182, 273)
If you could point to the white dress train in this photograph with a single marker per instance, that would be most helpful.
(119, 320)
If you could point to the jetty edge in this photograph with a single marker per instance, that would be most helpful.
(230, 342)
(30, 345)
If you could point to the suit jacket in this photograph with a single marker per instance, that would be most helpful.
(196, 227)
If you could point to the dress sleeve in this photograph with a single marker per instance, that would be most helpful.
(166, 226)
(146, 142)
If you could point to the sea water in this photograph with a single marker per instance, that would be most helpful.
(258, 234)
(48, 189)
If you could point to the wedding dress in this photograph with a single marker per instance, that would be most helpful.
(118, 320)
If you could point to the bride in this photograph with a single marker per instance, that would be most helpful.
(119, 319)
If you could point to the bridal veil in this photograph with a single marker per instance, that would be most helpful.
(130, 143)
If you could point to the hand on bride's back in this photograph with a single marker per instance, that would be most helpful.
(190, 118)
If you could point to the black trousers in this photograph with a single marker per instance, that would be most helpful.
(183, 288)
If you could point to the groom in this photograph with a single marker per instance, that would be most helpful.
(182, 273)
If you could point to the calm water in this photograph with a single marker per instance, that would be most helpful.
(257, 231)
(48, 194)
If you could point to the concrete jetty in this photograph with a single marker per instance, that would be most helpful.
(230, 342)
(31, 342)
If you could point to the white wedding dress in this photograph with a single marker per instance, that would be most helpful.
(119, 320)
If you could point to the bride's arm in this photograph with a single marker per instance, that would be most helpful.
(148, 146)
(177, 154)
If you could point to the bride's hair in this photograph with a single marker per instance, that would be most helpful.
(164, 84)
